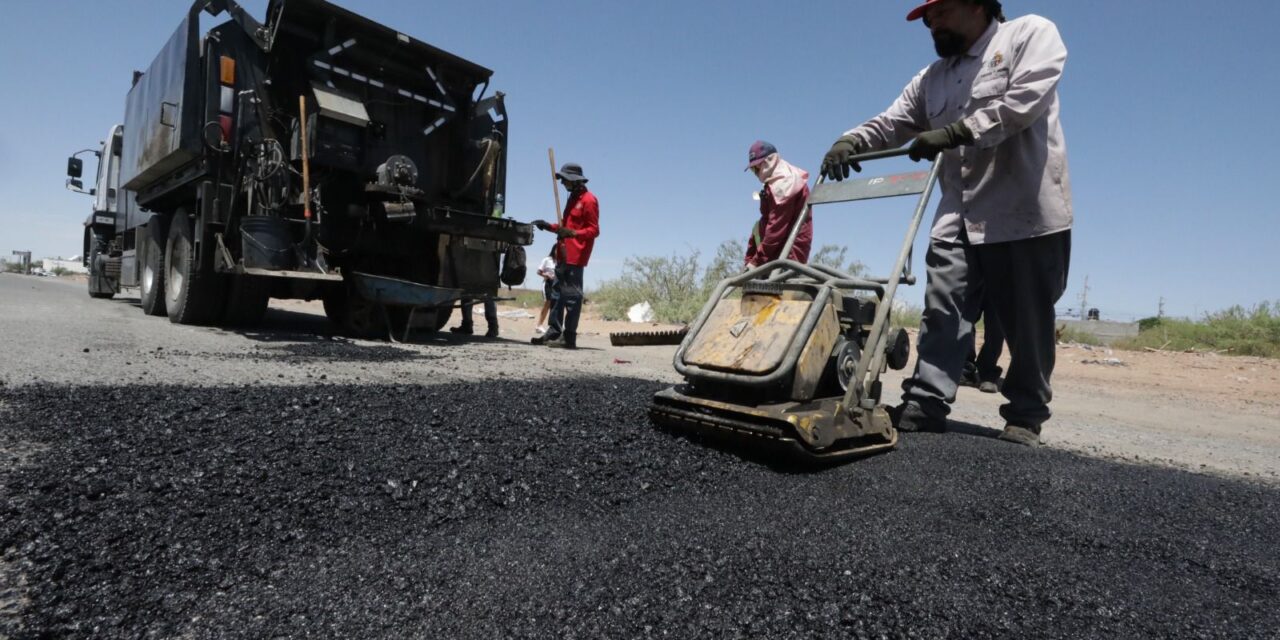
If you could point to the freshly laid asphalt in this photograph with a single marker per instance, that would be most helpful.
(553, 509)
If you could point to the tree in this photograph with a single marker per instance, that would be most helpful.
(833, 256)
(678, 286)
(728, 262)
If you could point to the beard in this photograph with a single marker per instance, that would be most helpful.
(948, 43)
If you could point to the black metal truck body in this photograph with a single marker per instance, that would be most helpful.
(207, 211)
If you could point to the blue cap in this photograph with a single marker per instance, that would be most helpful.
(759, 151)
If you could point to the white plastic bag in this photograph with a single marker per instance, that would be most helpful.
(642, 312)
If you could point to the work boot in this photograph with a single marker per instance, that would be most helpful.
(544, 338)
(988, 386)
(968, 378)
(491, 333)
(1021, 435)
(909, 417)
(465, 330)
(561, 343)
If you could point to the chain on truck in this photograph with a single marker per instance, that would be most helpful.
(317, 154)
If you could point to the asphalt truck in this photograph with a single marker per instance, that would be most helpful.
(315, 155)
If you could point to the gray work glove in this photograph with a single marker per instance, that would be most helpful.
(541, 224)
(566, 233)
(836, 165)
(927, 145)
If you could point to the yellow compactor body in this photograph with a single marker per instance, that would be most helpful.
(788, 356)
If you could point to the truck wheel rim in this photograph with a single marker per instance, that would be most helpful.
(174, 277)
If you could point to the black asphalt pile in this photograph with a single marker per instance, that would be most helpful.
(552, 509)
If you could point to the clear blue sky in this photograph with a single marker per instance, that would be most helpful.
(1169, 109)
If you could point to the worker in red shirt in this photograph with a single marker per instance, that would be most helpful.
(576, 237)
(785, 192)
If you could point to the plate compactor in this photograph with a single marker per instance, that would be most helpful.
(788, 356)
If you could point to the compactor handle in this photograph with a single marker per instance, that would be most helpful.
(878, 155)
(808, 209)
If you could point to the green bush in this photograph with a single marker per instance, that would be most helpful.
(678, 286)
(11, 267)
(672, 285)
(1237, 330)
(1073, 335)
(906, 316)
(524, 298)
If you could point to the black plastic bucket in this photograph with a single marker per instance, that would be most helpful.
(266, 243)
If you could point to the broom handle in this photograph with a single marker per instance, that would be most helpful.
(306, 166)
(555, 189)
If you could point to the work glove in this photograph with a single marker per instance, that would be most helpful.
(566, 233)
(541, 224)
(836, 165)
(927, 145)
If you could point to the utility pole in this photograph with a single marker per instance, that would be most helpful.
(1160, 313)
(1084, 298)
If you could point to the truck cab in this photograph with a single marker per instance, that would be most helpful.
(104, 221)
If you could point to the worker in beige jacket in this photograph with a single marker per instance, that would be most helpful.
(1002, 230)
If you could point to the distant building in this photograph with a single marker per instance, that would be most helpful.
(1105, 331)
(71, 266)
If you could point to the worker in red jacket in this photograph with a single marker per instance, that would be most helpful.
(783, 198)
(576, 237)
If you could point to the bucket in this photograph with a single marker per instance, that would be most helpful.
(265, 243)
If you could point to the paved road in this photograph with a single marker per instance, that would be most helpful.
(190, 482)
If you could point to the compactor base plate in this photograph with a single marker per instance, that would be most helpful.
(772, 428)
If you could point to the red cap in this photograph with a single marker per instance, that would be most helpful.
(918, 12)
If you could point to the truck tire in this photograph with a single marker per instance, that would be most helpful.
(194, 293)
(100, 286)
(151, 281)
(352, 314)
(247, 298)
(442, 316)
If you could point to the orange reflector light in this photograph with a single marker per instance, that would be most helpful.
(228, 70)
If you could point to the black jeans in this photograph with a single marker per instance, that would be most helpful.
(984, 364)
(1019, 282)
(568, 307)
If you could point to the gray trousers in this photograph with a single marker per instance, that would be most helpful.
(490, 314)
(1020, 281)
